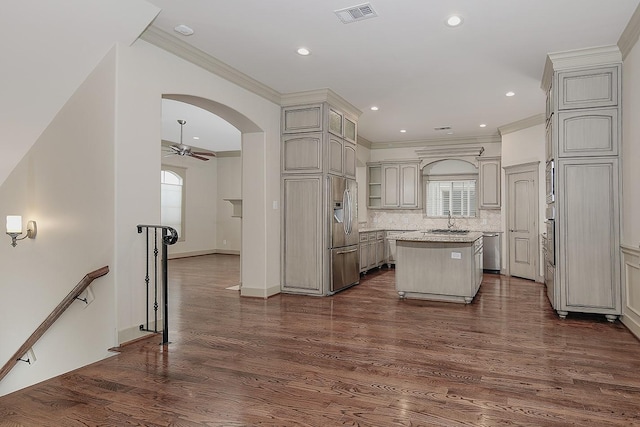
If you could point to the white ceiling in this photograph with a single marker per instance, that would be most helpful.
(213, 133)
(419, 72)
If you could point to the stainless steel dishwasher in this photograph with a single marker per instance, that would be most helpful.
(491, 256)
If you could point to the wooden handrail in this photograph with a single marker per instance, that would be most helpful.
(44, 326)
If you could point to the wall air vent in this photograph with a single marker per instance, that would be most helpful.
(356, 13)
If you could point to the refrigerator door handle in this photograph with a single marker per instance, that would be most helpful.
(345, 201)
(346, 252)
(350, 211)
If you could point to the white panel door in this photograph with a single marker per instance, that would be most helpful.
(521, 225)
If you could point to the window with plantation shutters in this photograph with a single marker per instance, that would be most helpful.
(457, 197)
(172, 199)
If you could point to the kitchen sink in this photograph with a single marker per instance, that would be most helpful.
(448, 231)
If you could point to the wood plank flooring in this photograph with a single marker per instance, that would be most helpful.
(360, 358)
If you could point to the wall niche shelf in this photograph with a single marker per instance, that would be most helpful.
(237, 207)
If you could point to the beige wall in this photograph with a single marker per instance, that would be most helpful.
(229, 186)
(66, 183)
(146, 73)
(630, 238)
(200, 210)
(415, 219)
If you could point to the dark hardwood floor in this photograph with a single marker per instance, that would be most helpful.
(360, 358)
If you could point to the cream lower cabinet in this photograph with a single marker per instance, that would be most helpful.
(302, 235)
(394, 185)
(588, 259)
(372, 251)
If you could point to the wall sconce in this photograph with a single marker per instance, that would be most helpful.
(14, 229)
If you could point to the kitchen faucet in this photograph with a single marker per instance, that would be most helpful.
(450, 223)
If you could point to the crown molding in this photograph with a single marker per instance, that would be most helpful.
(319, 95)
(174, 45)
(450, 142)
(364, 142)
(538, 119)
(579, 58)
(630, 35)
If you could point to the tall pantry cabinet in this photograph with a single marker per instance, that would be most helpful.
(318, 141)
(583, 181)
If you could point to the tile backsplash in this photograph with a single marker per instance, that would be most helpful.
(488, 220)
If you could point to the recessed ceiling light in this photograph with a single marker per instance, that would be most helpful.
(454, 21)
(374, 108)
(196, 137)
(483, 125)
(303, 51)
(510, 93)
(184, 30)
(403, 131)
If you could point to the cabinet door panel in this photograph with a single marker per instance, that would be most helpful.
(588, 88)
(489, 180)
(302, 235)
(588, 133)
(349, 160)
(302, 153)
(302, 119)
(390, 180)
(588, 241)
(335, 155)
(408, 186)
(335, 122)
(350, 130)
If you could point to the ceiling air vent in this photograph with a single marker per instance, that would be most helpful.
(356, 13)
(442, 128)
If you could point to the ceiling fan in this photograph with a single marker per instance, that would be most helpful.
(185, 150)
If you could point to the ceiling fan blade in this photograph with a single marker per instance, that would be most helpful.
(198, 157)
(203, 153)
(175, 148)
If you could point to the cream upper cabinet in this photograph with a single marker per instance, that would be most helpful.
(588, 88)
(489, 173)
(307, 118)
(350, 159)
(302, 153)
(318, 138)
(394, 185)
(350, 129)
(335, 122)
(336, 155)
(592, 132)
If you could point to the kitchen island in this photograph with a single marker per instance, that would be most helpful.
(443, 265)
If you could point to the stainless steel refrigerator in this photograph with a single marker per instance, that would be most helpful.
(343, 212)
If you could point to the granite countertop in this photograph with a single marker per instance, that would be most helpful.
(370, 229)
(426, 236)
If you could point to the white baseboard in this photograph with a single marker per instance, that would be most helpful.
(259, 292)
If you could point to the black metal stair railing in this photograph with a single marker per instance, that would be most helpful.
(168, 236)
